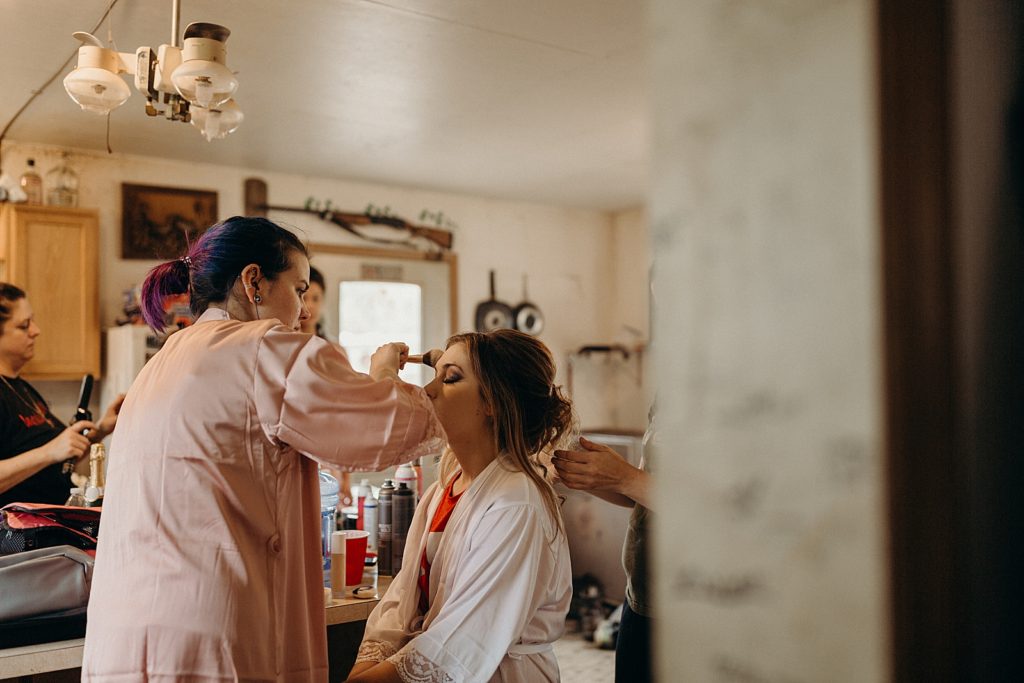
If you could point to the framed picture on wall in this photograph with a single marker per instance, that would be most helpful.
(158, 222)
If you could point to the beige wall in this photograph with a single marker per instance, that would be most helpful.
(566, 253)
(764, 228)
(621, 382)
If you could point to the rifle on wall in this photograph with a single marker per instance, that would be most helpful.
(256, 205)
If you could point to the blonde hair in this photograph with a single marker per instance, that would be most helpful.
(516, 374)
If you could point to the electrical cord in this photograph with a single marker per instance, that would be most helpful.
(36, 93)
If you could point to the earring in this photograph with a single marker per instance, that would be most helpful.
(257, 298)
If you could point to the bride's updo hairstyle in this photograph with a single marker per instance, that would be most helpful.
(517, 381)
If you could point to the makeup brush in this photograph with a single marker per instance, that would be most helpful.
(429, 358)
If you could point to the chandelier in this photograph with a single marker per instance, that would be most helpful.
(190, 83)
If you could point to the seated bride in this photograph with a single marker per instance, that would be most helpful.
(485, 582)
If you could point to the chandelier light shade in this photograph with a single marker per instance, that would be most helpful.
(94, 83)
(217, 123)
(203, 77)
(190, 83)
(204, 83)
(96, 90)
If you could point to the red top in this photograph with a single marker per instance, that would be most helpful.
(441, 516)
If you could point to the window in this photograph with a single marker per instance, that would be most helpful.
(372, 313)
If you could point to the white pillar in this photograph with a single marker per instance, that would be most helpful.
(770, 524)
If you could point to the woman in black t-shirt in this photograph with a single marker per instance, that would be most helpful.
(34, 444)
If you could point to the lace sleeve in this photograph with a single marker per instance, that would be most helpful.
(374, 651)
(414, 667)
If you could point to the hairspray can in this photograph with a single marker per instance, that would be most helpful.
(370, 521)
(402, 509)
(407, 475)
(384, 528)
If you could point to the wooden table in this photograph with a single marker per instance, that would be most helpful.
(67, 654)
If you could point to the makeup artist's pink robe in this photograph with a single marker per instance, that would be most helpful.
(208, 567)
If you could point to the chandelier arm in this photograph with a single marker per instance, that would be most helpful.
(175, 22)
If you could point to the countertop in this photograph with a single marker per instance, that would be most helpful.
(67, 654)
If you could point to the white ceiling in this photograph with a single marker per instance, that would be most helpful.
(539, 100)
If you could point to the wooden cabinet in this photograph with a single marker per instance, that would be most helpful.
(51, 253)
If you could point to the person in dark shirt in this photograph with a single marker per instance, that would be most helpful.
(34, 444)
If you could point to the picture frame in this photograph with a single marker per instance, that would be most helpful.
(159, 222)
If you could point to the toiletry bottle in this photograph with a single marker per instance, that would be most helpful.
(387, 492)
(362, 491)
(405, 474)
(417, 468)
(371, 525)
(338, 564)
(402, 507)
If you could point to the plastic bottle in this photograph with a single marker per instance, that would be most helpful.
(32, 184)
(405, 474)
(387, 492)
(402, 507)
(362, 491)
(328, 503)
(77, 498)
(370, 510)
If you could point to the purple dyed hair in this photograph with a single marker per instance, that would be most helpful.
(215, 261)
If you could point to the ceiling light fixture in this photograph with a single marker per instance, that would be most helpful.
(190, 83)
(217, 122)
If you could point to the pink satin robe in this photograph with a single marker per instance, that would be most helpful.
(208, 566)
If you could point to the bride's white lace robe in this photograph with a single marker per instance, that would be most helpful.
(500, 587)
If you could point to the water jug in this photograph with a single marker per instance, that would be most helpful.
(328, 502)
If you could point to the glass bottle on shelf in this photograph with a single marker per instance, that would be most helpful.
(32, 184)
(62, 182)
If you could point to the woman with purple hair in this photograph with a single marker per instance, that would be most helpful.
(209, 563)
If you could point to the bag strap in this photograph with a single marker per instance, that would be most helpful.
(17, 519)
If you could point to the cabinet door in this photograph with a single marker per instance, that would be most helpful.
(52, 254)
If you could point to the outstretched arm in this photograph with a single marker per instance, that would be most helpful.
(601, 471)
(109, 420)
(306, 393)
(68, 445)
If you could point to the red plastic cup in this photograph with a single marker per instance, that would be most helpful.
(355, 556)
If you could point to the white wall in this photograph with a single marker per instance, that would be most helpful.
(566, 253)
(770, 542)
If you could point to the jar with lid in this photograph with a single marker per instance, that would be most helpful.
(62, 184)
